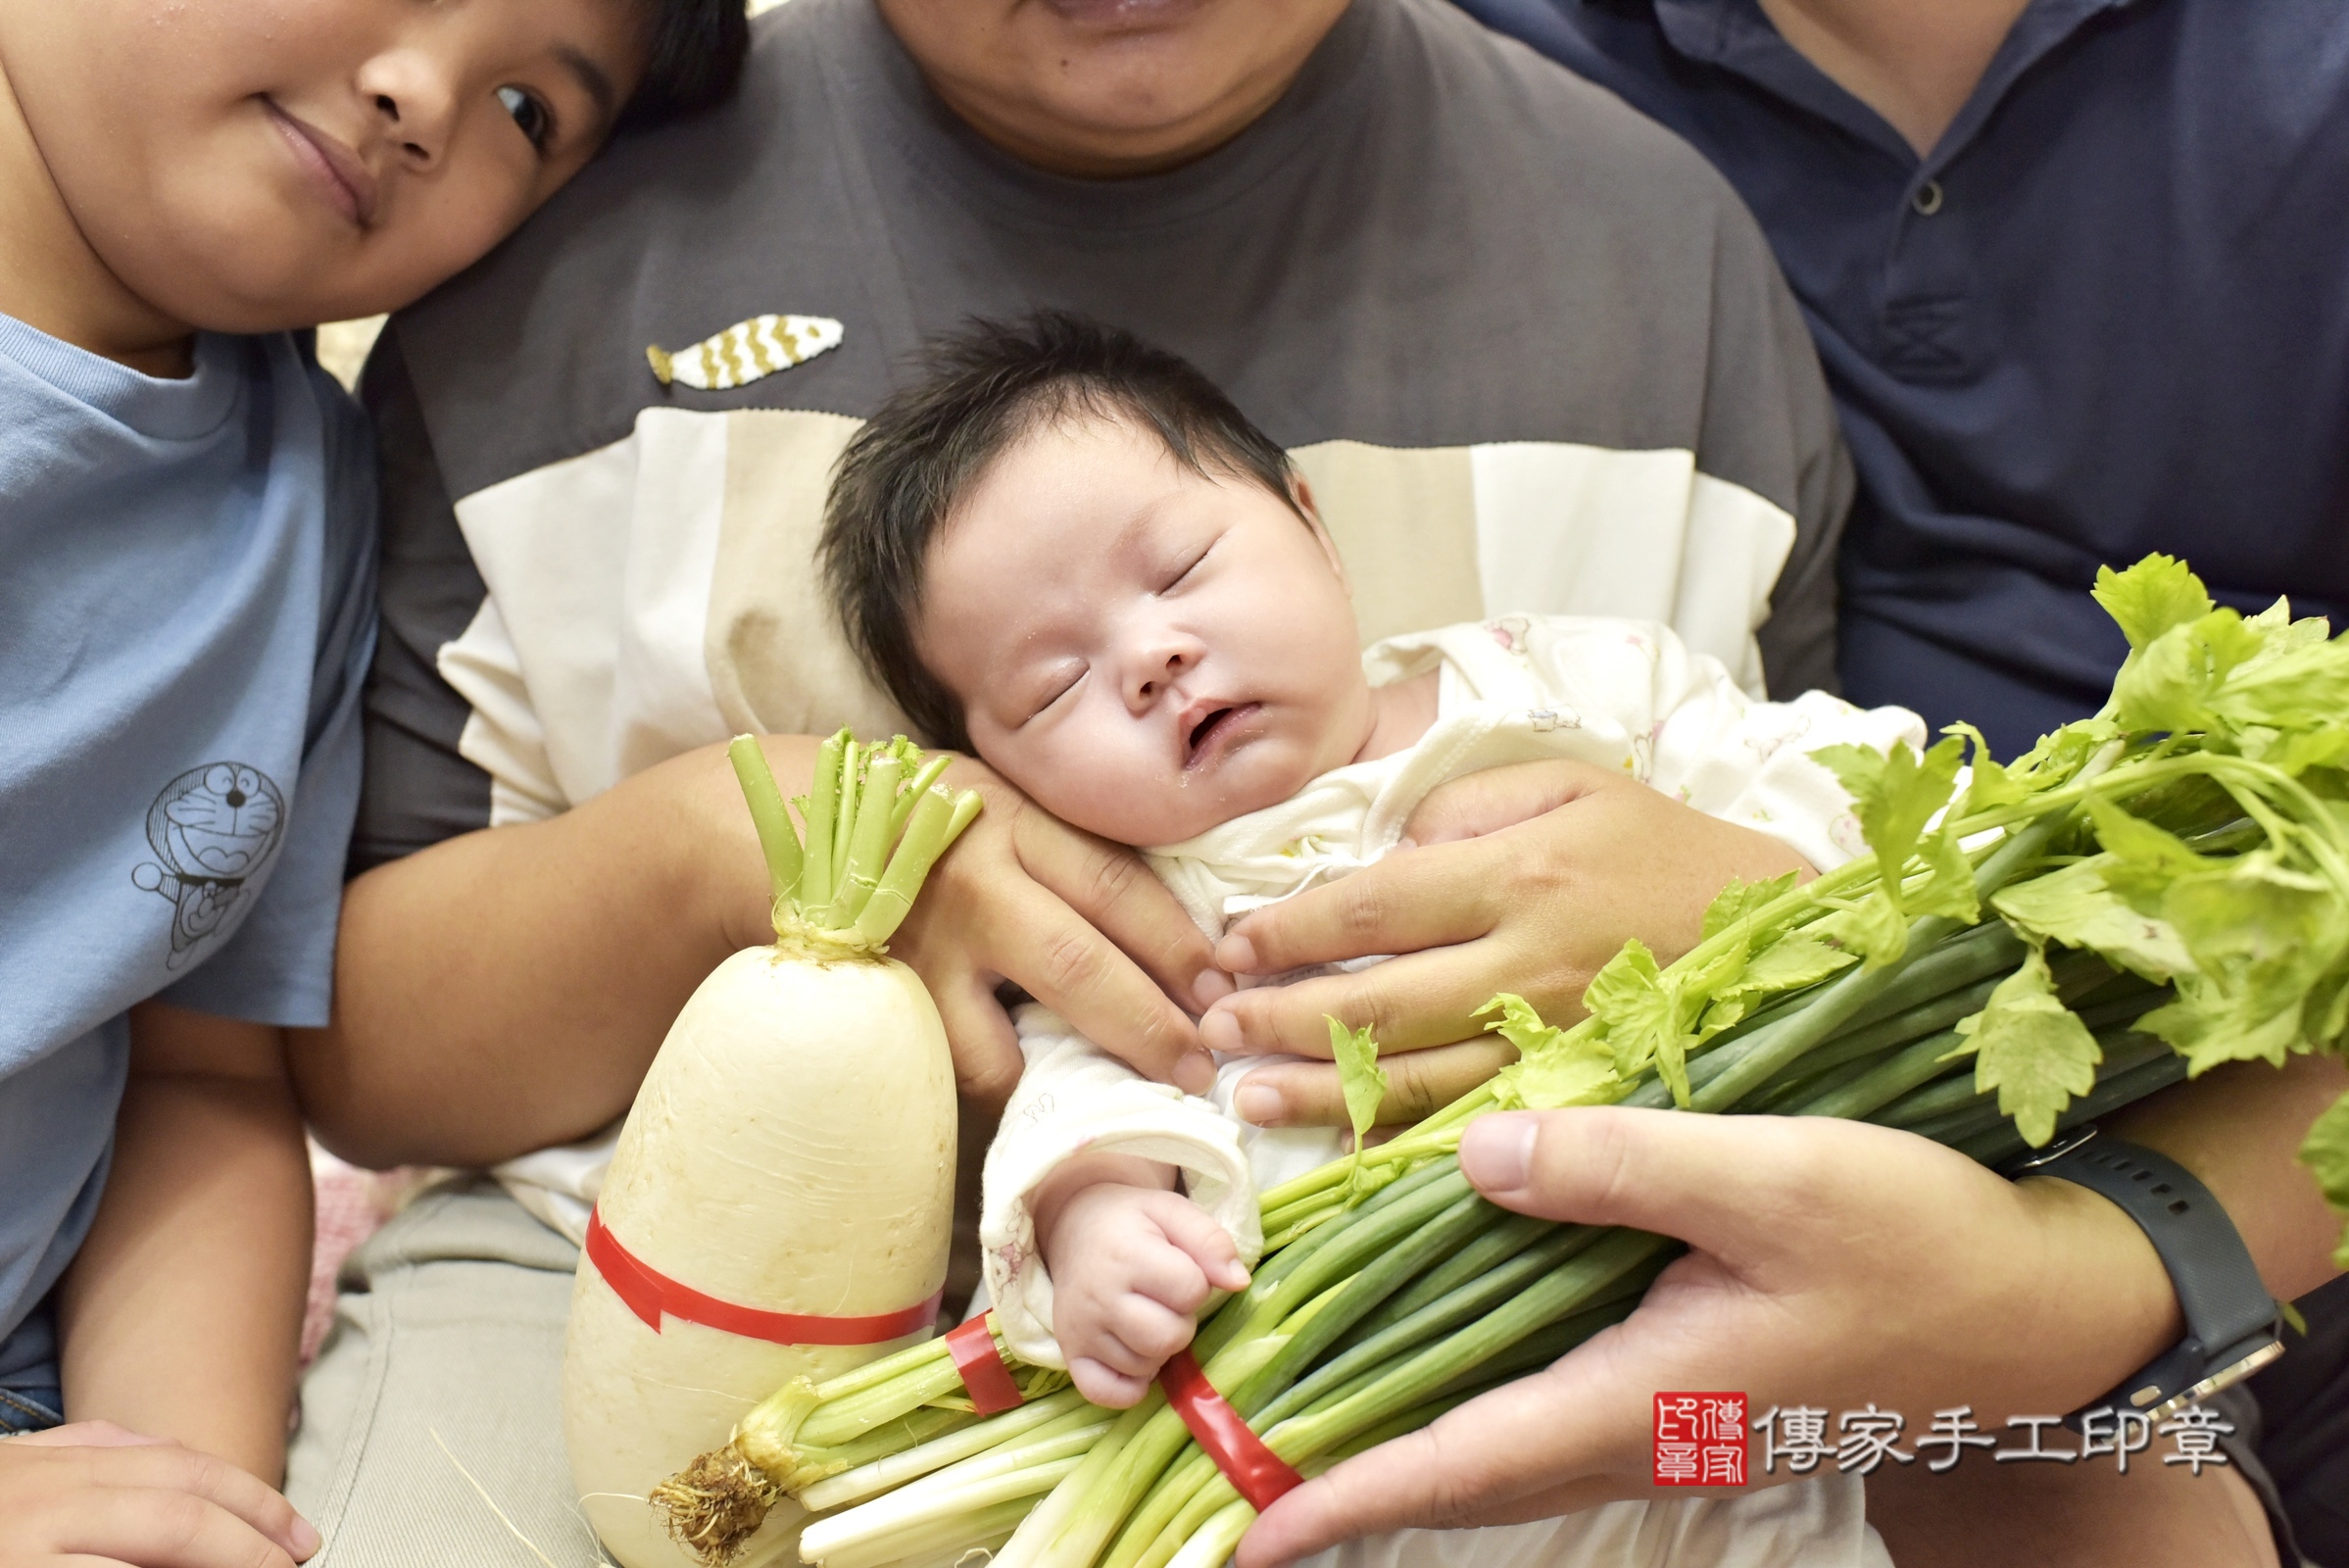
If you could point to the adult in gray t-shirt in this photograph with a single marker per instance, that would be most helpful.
(1518, 381)
(1530, 351)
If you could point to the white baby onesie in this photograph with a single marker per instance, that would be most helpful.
(1617, 693)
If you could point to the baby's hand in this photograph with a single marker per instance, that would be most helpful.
(1130, 1268)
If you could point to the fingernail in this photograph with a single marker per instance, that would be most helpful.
(1498, 1150)
(1260, 1105)
(305, 1537)
(1235, 954)
(1210, 988)
(1406, 842)
(1194, 1072)
(1220, 1031)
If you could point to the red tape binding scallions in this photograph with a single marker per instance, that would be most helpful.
(972, 1346)
(1254, 1471)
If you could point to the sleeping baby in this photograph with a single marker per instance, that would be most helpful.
(1068, 554)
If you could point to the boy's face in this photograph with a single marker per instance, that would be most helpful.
(1145, 651)
(250, 165)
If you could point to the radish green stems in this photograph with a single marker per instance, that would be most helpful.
(768, 815)
(843, 890)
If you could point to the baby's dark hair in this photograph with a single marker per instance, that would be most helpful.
(988, 386)
(693, 58)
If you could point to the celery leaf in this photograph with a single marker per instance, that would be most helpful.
(1873, 929)
(2263, 938)
(2149, 598)
(2293, 684)
(2073, 907)
(1987, 785)
(1520, 1024)
(2326, 1152)
(1360, 1076)
(1642, 1012)
(2176, 682)
(1949, 890)
(1555, 1067)
(2143, 861)
(2060, 753)
(2210, 1025)
(2031, 1048)
(1894, 794)
(2295, 751)
(1741, 900)
(1365, 1083)
(1798, 958)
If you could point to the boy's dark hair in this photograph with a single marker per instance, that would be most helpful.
(988, 386)
(693, 58)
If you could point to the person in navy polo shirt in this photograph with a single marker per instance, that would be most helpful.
(2076, 269)
(2079, 273)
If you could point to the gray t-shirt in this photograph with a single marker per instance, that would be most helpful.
(1528, 348)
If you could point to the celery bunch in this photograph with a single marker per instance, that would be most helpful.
(2147, 894)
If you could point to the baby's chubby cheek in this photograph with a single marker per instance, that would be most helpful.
(1140, 806)
(1087, 787)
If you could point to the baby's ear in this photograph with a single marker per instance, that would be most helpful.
(1301, 491)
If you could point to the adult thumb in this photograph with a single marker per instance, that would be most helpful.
(1723, 1184)
(1495, 797)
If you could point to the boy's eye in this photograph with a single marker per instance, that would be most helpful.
(529, 113)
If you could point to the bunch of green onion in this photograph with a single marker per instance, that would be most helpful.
(2149, 893)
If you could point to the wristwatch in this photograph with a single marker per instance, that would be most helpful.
(2232, 1323)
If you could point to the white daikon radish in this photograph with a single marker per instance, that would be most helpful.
(779, 1203)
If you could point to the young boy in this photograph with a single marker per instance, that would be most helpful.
(1068, 552)
(186, 611)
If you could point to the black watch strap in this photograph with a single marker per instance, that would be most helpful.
(2231, 1321)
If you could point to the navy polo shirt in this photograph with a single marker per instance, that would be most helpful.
(2108, 314)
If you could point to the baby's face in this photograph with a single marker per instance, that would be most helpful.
(251, 164)
(1145, 651)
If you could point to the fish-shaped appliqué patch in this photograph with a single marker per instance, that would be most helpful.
(747, 351)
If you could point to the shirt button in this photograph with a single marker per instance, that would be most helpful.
(1927, 198)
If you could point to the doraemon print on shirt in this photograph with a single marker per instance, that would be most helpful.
(213, 827)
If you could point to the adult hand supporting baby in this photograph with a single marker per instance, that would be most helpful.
(1077, 923)
(1830, 1264)
(1523, 879)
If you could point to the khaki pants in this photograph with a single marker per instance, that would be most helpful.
(446, 1350)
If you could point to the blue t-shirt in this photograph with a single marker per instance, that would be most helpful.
(2108, 314)
(186, 611)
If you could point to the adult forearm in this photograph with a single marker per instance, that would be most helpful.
(2239, 1128)
(505, 990)
(182, 1313)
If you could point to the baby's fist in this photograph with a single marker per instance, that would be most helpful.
(1131, 1266)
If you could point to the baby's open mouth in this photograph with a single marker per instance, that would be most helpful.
(1217, 722)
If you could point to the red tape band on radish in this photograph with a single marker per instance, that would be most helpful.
(651, 1293)
(972, 1346)
(1254, 1471)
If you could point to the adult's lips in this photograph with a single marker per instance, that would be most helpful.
(341, 176)
(1123, 14)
